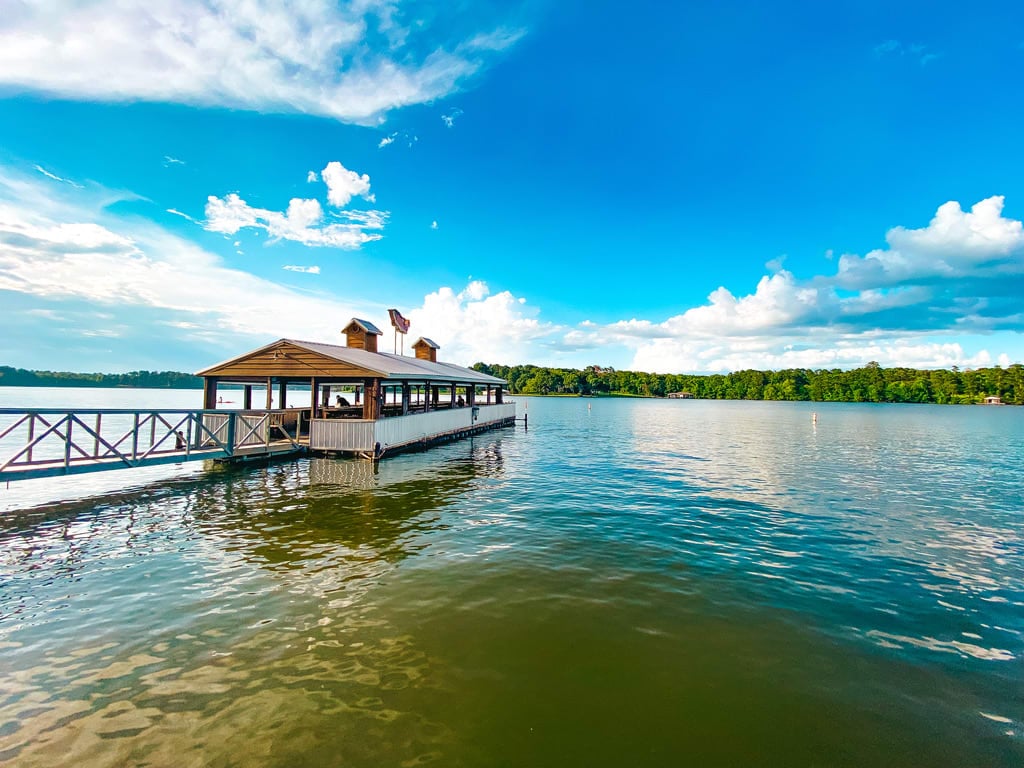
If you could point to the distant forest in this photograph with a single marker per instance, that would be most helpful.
(870, 384)
(19, 377)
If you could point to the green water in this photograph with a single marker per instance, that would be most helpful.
(636, 583)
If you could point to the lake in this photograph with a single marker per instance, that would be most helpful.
(626, 583)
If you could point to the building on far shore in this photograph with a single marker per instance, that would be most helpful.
(993, 400)
(680, 395)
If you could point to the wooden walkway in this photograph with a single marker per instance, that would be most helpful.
(48, 442)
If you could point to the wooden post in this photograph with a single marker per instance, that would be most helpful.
(282, 393)
(369, 399)
(452, 405)
(312, 398)
(247, 397)
(270, 393)
(405, 397)
(209, 393)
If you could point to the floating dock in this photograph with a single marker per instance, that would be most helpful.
(360, 402)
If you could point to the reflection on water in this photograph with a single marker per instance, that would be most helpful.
(638, 583)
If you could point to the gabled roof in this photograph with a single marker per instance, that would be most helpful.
(423, 341)
(327, 361)
(364, 325)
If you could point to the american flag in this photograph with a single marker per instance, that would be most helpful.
(400, 323)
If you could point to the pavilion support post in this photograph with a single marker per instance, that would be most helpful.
(313, 383)
(209, 393)
(270, 393)
(370, 399)
(452, 404)
(498, 395)
(282, 394)
(405, 397)
(247, 397)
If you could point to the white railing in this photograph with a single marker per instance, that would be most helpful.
(250, 428)
(47, 442)
(360, 435)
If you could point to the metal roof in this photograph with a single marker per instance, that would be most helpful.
(366, 325)
(387, 366)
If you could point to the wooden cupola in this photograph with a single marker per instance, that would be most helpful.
(426, 349)
(361, 334)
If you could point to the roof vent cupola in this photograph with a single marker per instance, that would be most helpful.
(426, 349)
(361, 334)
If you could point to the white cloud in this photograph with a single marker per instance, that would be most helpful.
(311, 177)
(389, 139)
(60, 250)
(303, 221)
(316, 56)
(450, 118)
(433, 224)
(176, 212)
(169, 161)
(960, 275)
(473, 325)
(954, 244)
(343, 184)
(498, 40)
(314, 270)
(55, 177)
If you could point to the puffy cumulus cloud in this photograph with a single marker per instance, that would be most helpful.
(353, 61)
(343, 184)
(961, 276)
(63, 251)
(955, 244)
(474, 325)
(304, 220)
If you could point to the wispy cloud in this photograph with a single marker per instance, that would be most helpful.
(304, 220)
(433, 224)
(316, 57)
(169, 161)
(176, 212)
(55, 177)
(404, 137)
(916, 51)
(450, 118)
(312, 177)
(314, 270)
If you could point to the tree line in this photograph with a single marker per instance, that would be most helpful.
(19, 377)
(870, 384)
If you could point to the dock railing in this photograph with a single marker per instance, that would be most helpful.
(49, 441)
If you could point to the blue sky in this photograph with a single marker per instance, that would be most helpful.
(700, 188)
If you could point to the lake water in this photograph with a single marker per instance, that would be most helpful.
(627, 583)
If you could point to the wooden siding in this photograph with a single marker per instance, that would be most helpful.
(361, 435)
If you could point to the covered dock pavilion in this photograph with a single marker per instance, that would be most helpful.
(354, 399)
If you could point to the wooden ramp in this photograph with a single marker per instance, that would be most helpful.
(38, 443)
